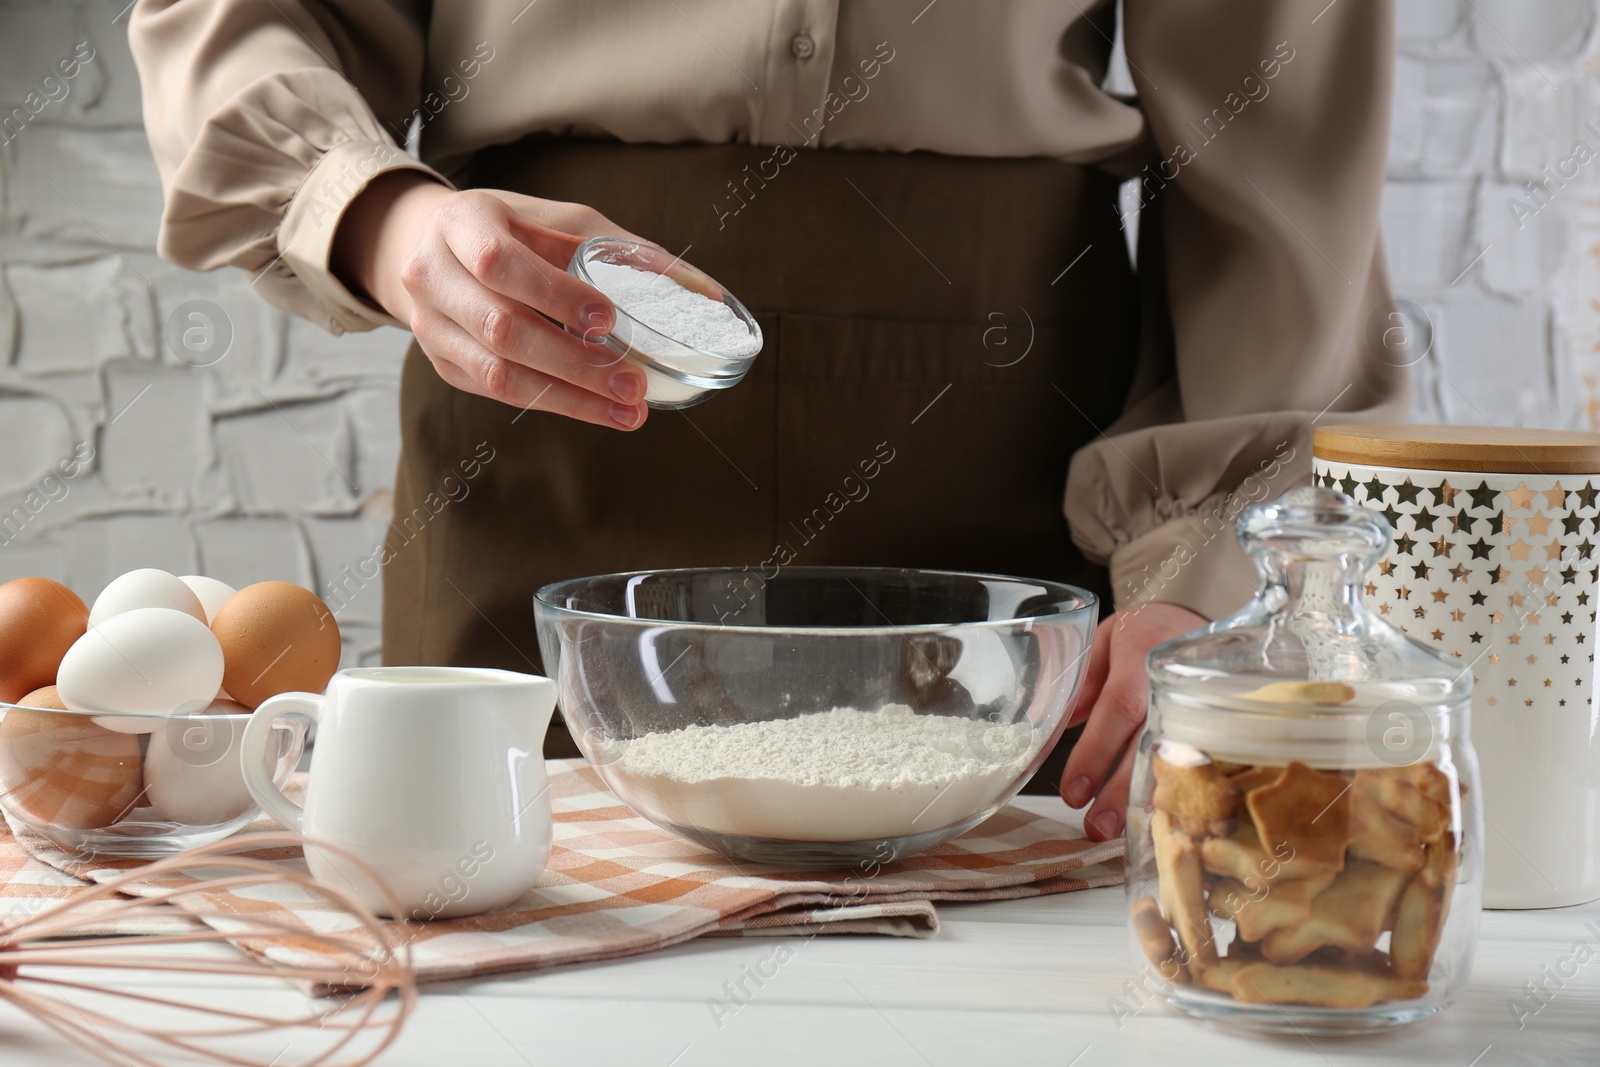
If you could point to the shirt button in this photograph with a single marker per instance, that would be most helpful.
(802, 46)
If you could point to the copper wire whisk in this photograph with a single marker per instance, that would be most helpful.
(123, 1026)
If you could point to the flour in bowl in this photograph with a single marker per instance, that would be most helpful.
(840, 775)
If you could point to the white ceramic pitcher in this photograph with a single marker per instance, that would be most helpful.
(434, 776)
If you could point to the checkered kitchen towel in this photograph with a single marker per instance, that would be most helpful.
(617, 886)
(29, 885)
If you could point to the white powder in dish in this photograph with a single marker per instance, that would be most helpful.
(840, 775)
(665, 306)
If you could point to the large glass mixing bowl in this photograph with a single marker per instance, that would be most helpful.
(816, 716)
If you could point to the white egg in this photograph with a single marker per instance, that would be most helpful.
(145, 588)
(192, 772)
(145, 662)
(210, 592)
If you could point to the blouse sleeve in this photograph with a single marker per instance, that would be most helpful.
(267, 118)
(1263, 275)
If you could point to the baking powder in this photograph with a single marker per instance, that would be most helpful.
(668, 308)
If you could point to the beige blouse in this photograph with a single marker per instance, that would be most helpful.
(1261, 124)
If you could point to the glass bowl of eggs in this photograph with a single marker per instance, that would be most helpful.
(174, 785)
(121, 723)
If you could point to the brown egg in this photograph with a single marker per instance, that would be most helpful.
(275, 637)
(65, 770)
(39, 620)
(43, 697)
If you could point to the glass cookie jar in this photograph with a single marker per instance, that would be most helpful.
(1304, 846)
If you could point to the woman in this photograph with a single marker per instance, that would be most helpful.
(920, 205)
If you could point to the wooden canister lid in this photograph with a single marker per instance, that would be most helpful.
(1489, 449)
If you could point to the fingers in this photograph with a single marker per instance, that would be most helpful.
(443, 289)
(1117, 691)
(1116, 716)
(1094, 675)
(1104, 820)
(469, 366)
(484, 282)
(479, 233)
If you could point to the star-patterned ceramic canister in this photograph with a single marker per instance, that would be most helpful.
(1496, 547)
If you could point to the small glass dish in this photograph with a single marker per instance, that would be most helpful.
(677, 375)
(97, 792)
(940, 694)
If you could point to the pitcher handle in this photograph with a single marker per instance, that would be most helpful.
(253, 749)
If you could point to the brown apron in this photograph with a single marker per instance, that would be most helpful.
(920, 319)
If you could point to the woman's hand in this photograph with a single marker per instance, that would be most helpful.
(1115, 695)
(475, 273)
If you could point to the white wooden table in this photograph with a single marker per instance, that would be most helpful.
(1015, 983)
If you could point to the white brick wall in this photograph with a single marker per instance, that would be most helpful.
(1488, 94)
(276, 461)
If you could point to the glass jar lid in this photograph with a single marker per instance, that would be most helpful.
(1306, 669)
